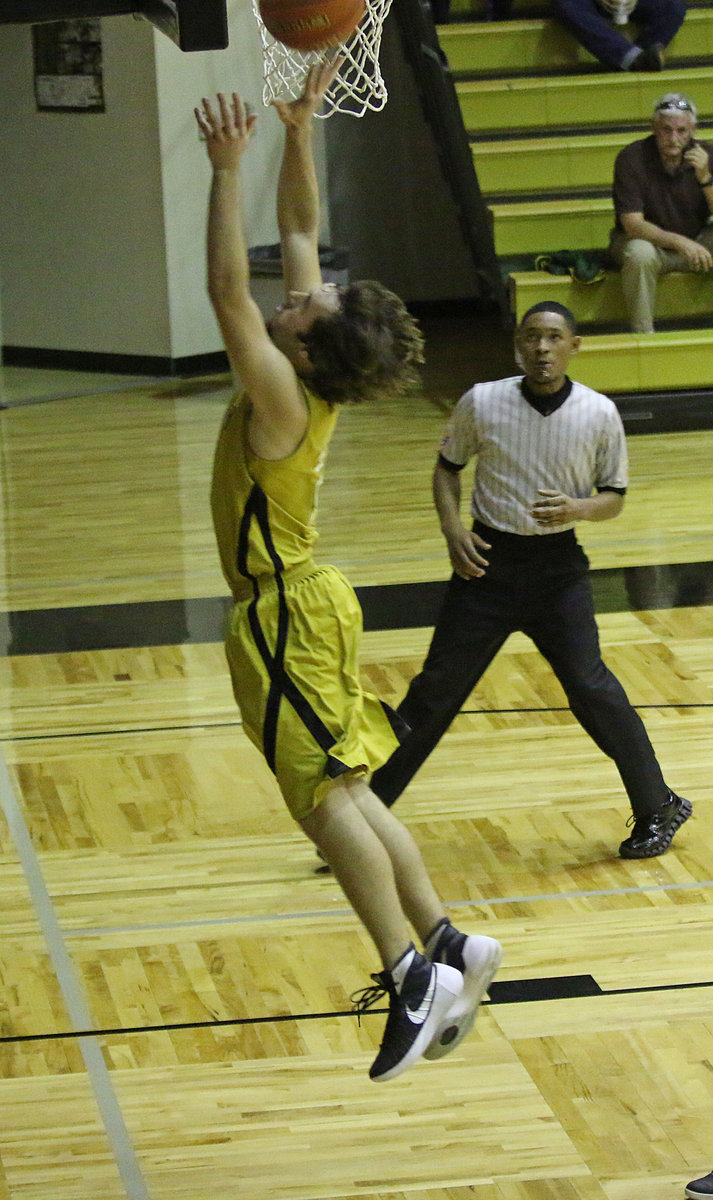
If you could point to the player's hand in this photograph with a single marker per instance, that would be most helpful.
(227, 129)
(464, 550)
(554, 508)
(319, 79)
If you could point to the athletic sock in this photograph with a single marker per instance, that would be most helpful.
(445, 944)
(400, 969)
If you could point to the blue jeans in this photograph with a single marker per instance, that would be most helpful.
(657, 22)
(540, 586)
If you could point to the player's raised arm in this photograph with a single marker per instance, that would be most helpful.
(266, 371)
(298, 209)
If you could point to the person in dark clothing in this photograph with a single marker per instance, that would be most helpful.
(543, 446)
(597, 24)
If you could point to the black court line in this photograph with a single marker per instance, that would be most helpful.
(385, 606)
(514, 991)
(192, 727)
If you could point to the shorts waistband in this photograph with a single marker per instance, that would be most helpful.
(525, 544)
(264, 584)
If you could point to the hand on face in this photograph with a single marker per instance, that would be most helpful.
(697, 157)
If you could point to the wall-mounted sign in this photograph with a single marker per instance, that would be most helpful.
(68, 65)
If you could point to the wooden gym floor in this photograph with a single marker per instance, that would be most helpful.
(175, 969)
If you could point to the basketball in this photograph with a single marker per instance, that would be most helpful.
(311, 24)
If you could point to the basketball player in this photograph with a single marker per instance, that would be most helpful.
(293, 636)
(543, 444)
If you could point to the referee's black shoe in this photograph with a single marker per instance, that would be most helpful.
(701, 1189)
(653, 835)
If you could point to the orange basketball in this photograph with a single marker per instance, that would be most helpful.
(311, 24)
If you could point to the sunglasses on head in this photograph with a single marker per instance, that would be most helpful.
(682, 104)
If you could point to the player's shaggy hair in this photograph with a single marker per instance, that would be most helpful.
(371, 347)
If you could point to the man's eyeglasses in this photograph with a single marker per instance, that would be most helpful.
(683, 105)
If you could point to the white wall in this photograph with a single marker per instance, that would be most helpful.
(102, 215)
(81, 260)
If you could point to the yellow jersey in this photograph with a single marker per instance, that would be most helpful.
(263, 510)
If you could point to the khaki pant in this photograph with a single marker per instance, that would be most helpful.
(641, 264)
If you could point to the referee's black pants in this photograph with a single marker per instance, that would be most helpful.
(538, 585)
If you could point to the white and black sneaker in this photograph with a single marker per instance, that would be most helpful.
(477, 958)
(420, 994)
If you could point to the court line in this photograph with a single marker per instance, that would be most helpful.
(236, 723)
(511, 991)
(321, 914)
(140, 383)
(73, 996)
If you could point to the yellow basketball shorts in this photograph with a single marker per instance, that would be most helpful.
(293, 658)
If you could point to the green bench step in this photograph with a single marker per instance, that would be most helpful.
(506, 106)
(679, 294)
(630, 362)
(540, 45)
(541, 226)
(538, 165)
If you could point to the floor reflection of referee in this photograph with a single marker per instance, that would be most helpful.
(543, 444)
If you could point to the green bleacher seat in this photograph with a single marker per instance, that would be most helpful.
(545, 123)
(678, 296)
(545, 45)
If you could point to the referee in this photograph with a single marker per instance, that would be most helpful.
(549, 452)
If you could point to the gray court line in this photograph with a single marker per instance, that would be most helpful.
(320, 914)
(72, 993)
(98, 389)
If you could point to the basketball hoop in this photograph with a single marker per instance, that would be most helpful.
(359, 84)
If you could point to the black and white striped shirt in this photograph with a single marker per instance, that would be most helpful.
(575, 449)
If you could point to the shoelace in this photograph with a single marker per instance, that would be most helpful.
(367, 997)
(647, 820)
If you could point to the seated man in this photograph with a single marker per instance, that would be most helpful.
(595, 23)
(663, 198)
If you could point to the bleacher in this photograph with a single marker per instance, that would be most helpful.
(545, 122)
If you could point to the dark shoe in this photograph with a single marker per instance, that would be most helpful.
(650, 59)
(653, 835)
(415, 1011)
(477, 958)
(701, 1189)
(441, 11)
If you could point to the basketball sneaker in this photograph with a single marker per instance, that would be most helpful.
(420, 993)
(653, 835)
(477, 958)
(701, 1189)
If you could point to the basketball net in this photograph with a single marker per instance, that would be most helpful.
(359, 84)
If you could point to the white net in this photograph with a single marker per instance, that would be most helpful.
(359, 84)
